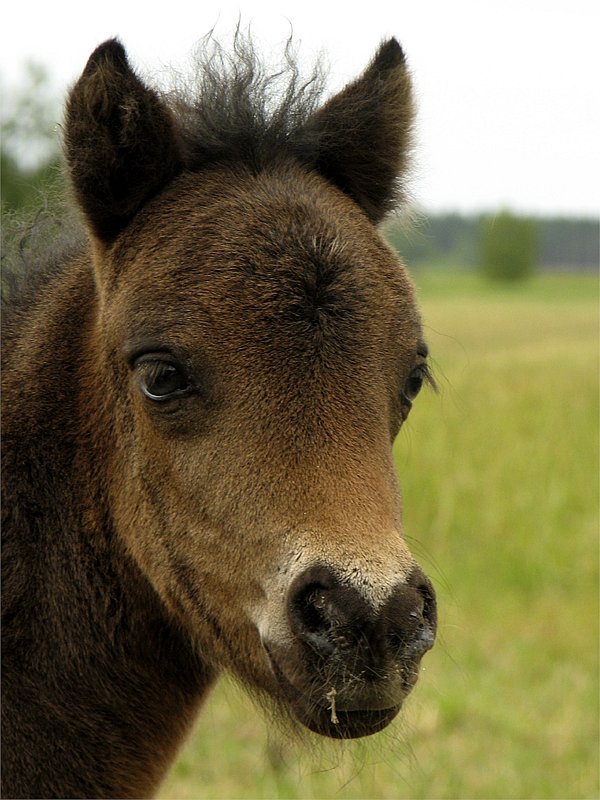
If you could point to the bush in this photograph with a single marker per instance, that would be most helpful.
(30, 154)
(508, 247)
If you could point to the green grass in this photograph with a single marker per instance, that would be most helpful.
(500, 482)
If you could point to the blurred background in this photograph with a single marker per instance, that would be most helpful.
(499, 469)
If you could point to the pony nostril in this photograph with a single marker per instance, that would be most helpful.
(419, 582)
(426, 637)
(425, 634)
(410, 617)
(311, 618)
(308, 609)
(429, 610)
(324, 614)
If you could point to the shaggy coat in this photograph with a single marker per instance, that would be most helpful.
(200, 397)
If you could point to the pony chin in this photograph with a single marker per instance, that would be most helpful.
(322, 716)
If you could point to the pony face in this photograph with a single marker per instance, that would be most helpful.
(258, 348)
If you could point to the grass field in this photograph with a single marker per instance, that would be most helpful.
(500, 481)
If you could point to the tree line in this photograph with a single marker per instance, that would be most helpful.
(560, 243)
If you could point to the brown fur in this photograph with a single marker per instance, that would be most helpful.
(148, 545)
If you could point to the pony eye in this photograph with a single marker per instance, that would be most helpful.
(161, 380)
(414, 382)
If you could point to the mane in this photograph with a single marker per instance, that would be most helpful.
(35, 246)
(233, 107)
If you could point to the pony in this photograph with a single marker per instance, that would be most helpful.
(201, 392)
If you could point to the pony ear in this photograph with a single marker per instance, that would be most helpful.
(364, 133)
(120, 140)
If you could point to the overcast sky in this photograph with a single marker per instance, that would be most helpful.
(509, 105)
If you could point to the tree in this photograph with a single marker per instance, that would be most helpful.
(508, 247)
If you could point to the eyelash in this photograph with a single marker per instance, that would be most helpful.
(428, 377)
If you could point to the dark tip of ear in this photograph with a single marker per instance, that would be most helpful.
(390, 55)
(112, 53)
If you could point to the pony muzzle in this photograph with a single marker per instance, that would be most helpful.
(350, 665)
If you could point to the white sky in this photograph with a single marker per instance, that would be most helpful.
(509, 111)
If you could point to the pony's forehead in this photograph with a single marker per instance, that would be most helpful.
(274, 226)
(280, 260)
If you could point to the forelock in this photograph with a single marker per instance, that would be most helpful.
(235, 107)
